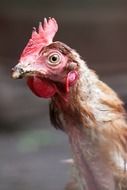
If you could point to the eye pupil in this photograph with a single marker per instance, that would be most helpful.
(54, 58)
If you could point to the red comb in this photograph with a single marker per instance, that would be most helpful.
(43, 37)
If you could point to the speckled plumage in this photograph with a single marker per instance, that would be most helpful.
(97, 112)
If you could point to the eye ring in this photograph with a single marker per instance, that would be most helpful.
(54, 59)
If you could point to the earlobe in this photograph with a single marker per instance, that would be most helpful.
(71, 79)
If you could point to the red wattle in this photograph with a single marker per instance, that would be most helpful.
(41, 87)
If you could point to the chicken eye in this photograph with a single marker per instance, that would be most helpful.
(54, 59)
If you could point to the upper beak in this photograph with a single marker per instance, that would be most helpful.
(22, 70)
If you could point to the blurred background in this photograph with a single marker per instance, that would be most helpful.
(30, 149)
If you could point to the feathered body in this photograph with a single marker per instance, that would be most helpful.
(89, 111)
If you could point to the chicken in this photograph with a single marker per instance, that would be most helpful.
(84, 107)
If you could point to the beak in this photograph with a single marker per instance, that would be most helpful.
(17, 73)
(22, 70)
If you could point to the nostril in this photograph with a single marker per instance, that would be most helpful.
(21, 71)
